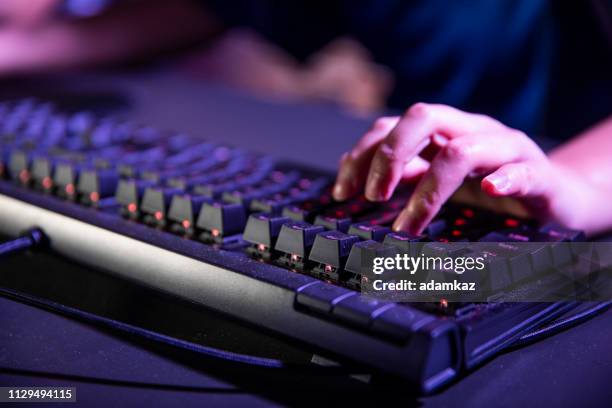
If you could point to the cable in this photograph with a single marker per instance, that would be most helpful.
(33, 238)
(36, 238)
(139, 331)
(561, 324)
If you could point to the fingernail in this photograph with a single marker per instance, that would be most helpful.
(403, 222)
(500, 182)
(410, 220)
(339, 192)
(373, 191)
(399, 223)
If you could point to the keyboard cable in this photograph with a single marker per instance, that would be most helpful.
(559, 325)
(35, 238)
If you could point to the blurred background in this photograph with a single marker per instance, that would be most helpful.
(542, 66)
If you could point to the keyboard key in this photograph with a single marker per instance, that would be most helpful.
(65, 178)
(155, 204)
(19, 166)
(184, 209)
(362, 254)
(95, 185)
(331, 223)
(321, 297)
(221, 220)
(360, 309)
(518, 259)
(295, 241)
(129, 194)
(558, 232)
(262, 231)
(330, 251)
(405, 242)
(367, 230)
(400, 322)
(545, 251)
(496, 273)
(42, 172)
(435, 227)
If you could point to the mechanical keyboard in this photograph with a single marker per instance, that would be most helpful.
(256, 238)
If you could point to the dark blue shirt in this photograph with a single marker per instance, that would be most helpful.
(506, 58)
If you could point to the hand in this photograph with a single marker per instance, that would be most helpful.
(465, 145)
(19, 13)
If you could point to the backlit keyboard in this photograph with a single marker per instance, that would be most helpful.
(259, 239)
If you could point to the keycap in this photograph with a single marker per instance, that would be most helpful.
(102, 134)
(496, 273)
(253, 175)
(360, 309)
(65, 178)
(219, 220)
(309, 209)
(17, 117)
(518, 258)
(189, 154)
(270, 205)
(132, 164)
(321, 297)
(405, 242)
(331, 223)
(155, 204)
(435, 227)
(56, 131)
(330, 251)
(42, 172)
(296, 212)
(277, 183)
(445, 249)
(198, 182)
(80, 124)
(400, 322)
(381, 218)
(161, 176)
(95, 185)
(362, 255)
(183, 210)
(557, 247)
(129, 194)
(19, 166)
(295, 241)
(367, 230)
(261, 232)
(558, 232)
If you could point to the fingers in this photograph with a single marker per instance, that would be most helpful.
(415, 169)
(449, 168)
(412, 133)
(515, 179)
(354, 165)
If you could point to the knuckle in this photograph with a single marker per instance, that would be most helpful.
(388, 154)
(419, 110)
(382, 123)
(517, 134)
(527, 175)
(457, 150)
(430, 200)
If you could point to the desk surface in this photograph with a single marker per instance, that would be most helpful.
(41, 348)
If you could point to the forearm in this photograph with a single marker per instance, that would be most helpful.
(587, 160)
(128, 32)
